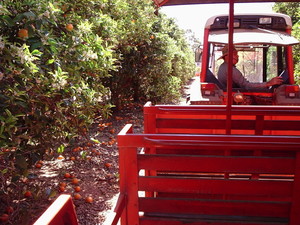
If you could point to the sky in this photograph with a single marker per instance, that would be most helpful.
(194, 16)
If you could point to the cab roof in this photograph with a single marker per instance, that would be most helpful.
(248, 29)
(186, 2)
(286, 18)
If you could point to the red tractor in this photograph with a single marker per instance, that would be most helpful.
(264, 46)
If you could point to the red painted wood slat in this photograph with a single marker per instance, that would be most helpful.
(226, 141)
(216, 186)
(213, 164)
(170, 221)
(171, 124)
(214, 207)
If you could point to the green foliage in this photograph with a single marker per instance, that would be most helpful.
(296, 52)
(51, 76)
(62, 63)
(155, 63)
(172, 67)
(293, 10)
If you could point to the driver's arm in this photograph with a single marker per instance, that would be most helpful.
(242, 82)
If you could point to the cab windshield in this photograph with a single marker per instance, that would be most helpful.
(256, 63)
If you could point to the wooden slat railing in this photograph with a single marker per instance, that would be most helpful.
(190, 187)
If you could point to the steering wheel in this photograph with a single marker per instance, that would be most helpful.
(285, 79)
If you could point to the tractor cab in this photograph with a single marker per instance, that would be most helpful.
(264, 46)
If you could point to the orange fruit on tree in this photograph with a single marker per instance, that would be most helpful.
(4, 217)
(69, 27)
(107, 165)
(111, 142)
(77, 189)
(89, 199)
(62, 188)
(38, 165)
(67, 175)
(62, 184)
(27, 194)
(77, 196)
(75, 181)
(72, 158)
(23, 33)
(112, 131)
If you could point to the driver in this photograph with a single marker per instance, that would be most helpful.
(239, 81)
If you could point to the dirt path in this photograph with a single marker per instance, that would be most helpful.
(92, 160)
(190, 90)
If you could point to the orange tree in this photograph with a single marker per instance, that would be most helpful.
(154, 59)
(171, 60)
(52, 63)
(63, 62)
